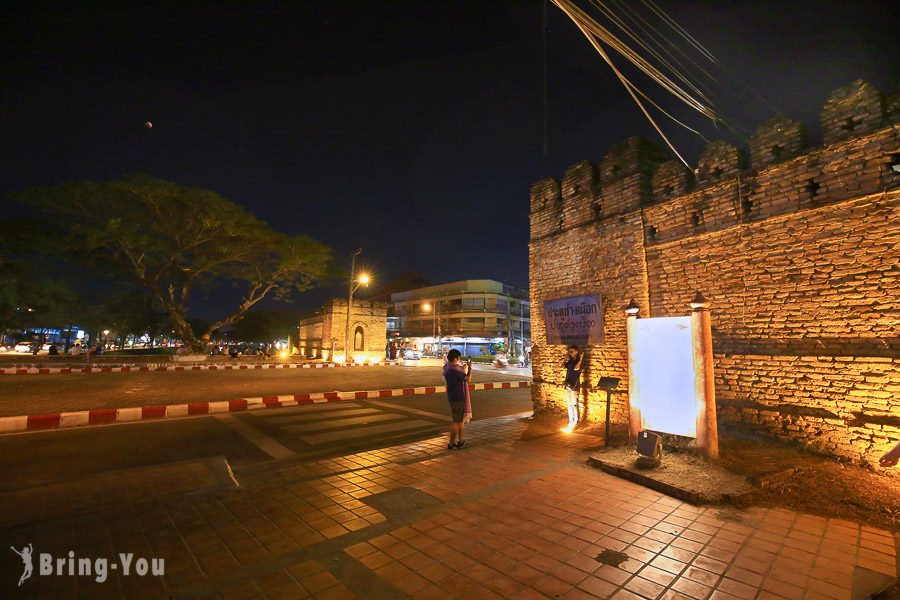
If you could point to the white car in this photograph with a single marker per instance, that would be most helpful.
(411, 354)
(28, 347)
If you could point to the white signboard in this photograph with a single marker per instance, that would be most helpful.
(663, 369)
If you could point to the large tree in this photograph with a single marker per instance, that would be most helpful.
(173, 240)
(266, 326)
(31, 300)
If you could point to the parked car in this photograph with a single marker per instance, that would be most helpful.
(411, 354)
(27, 347)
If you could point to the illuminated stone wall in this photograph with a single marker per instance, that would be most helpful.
(796, 248)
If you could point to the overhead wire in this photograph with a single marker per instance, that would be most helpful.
(544, 25)
(701, 74)
(709, 55)
(653, 35)
(624, 80)
(629, 31)
(586, 23)
(680, 30)
(673, 74)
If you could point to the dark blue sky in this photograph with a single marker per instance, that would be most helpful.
(411, 129)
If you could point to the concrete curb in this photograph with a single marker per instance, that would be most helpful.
(160, 367)
(680, 492)
(104, 416)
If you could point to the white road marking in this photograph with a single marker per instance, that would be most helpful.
(369, 430)
(256, 437)
(412, 411)
(318, 426)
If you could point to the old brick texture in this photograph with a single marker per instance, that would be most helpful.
(799, 254)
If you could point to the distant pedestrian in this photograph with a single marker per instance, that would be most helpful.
(572, 385)
(891, 457)
(53, 351)
(457, 376)
(75, 350)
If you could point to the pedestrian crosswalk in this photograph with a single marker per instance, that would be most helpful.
(338, 435)
(339, 423)
(343, 423)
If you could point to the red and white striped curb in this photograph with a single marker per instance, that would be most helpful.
(159, 367)
(102, 416)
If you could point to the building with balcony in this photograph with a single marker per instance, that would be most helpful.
(475, 316)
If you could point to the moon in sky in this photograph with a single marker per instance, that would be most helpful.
(148, 125)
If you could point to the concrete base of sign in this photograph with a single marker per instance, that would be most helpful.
(683, 476)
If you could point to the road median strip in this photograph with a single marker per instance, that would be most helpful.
(156, 367)
(103, 416)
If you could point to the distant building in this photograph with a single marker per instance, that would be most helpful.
(322, 335)
(471, 316)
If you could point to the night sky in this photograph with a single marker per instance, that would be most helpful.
(410, 129)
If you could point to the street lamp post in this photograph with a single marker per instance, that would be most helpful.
(435, 323)
(354, 285)
(437, 316)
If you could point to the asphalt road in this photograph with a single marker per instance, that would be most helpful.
(245, 439)
(34, 394)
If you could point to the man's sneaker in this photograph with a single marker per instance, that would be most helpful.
(460, 445)
(451, 446)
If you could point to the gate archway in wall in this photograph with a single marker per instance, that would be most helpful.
(359, 338)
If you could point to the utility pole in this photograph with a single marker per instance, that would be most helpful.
(509, 331)
(437, 315)
(353, 256)
(434, 350)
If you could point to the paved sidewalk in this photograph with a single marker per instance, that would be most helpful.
(512, 516)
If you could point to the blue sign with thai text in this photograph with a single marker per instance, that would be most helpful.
(575, 320)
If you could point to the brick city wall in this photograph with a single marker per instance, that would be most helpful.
(316, 332)
(796, 248)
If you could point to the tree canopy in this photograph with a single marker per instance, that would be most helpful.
(173, 240)
(266, 326)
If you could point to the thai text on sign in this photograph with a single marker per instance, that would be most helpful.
(574, 320)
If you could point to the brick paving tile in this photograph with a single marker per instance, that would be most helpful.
(613, 575)
(732, 586)
(691, 589)
(626, 595)
(598, 587)
(674, 595)
(645, 588)
(784, 590)
(701, 576)
(663, 578)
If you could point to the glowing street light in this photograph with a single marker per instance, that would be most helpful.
(435, 325)
(355, 282)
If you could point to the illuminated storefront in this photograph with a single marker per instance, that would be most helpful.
(479, 317)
